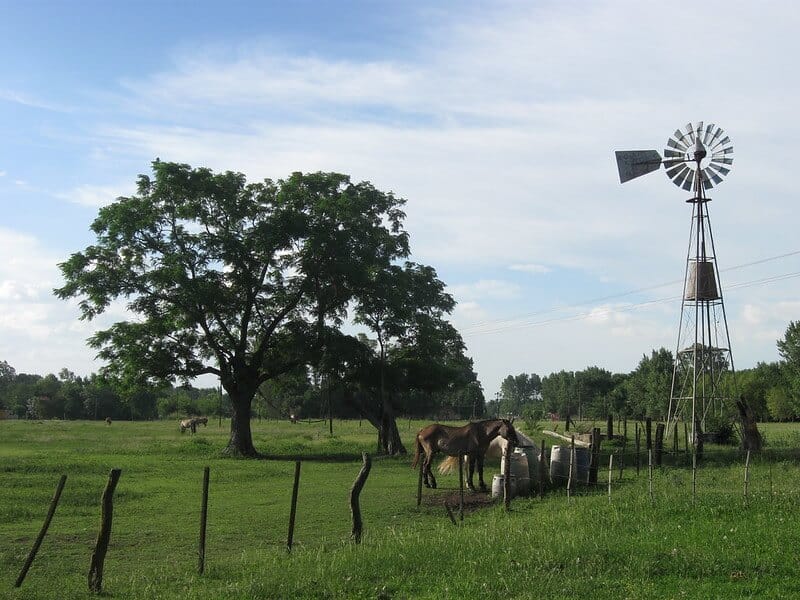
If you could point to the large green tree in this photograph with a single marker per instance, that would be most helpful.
(230, 278)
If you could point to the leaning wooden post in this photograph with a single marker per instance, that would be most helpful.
(650, 473)
(507, 479)
(622, 457)
(51, 511)
(355, 491)
(638, 448)
(419, 483)
(461, 487)
(746, 475)
(610, 467)
(104, 536)
(201, 565)
(293, 512)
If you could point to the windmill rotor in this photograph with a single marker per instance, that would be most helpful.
(697, 155)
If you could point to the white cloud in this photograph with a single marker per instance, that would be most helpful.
(530, 268)
(97, 195)
(485, 289)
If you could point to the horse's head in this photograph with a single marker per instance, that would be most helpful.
(508, 432)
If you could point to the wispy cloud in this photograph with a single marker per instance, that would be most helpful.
(30, 101)
(530, 268)
(96, 195)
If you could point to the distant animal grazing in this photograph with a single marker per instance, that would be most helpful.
(472, 440)
(193, 423)
(495, 450)
(108, 420)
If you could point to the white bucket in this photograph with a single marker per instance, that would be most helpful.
(518, 463)
(497, 486)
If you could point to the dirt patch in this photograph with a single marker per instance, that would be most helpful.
(472, 500)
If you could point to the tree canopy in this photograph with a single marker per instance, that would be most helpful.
(245, 281)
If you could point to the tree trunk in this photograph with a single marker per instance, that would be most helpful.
(241, 440)
(384, 420)
(751, 437)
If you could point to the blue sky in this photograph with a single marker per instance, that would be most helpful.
(497, 121)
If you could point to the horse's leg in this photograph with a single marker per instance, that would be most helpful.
(480, 473)
(470, 471)
(428, 463)
(427, 474)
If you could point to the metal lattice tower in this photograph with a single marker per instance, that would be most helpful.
(695, 159)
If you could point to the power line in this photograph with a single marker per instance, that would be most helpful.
(630, 307)
(510, 320)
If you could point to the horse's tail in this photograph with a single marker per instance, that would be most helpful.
(417, 451)
(448, 465)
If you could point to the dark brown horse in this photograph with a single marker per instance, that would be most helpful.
(472, 439)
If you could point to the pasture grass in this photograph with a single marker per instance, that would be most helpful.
(673, 546)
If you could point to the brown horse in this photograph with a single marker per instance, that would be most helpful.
(472, 440)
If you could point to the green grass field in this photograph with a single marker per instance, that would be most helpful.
(716, 546)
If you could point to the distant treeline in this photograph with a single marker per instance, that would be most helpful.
(594, 393)
(67, 396)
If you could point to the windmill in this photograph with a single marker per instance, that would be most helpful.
(696, 159)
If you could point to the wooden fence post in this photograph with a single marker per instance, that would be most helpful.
(293, 512)
(746, 475)
(355, 491)
(51, 511)
(675, 442)
(594, 456)
(450, 513)
(542, 474)
(461, 487)
(201, 567)
(659, 443)
(610, 467)
(638, 448)
(685, 438)
(571, 467)
(104, 536)
(694, 474)
(622, 457)
(507, 479)
(650, 473)
(419, 483)
(648, 432)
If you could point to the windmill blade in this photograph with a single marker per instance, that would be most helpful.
(635, 163)
(709, 173)
(681, 137)
(719, 168)
(683, 176)
(707, 135)
(690, 133)
(677, 145)
(673, 172)
(688, 183)
(705, 179)
(721, 159)
(674, 154)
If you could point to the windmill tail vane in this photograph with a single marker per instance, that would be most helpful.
(696, 156)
